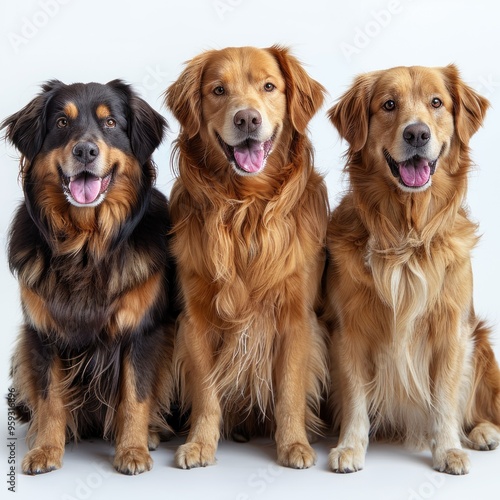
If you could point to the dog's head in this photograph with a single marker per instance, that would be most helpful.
(82, 141)
(239, 100)
(408, 119)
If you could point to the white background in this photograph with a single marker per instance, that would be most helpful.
(146, 42)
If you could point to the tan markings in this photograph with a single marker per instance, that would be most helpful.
(71, 111)
(132, 421)
(49, 420)
(102, 111)
(133, 305)
(36, 309)
(29, 275)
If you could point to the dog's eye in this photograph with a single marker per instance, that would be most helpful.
(436, 103)
(219, 90)
(62, 122)
(269, 87)
(110, 123)
(389, 105)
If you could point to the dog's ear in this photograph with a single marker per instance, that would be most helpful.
(469, 108)
(183, 97)
(27, 128)
(146, 127)
(303, 94)
(351, 114)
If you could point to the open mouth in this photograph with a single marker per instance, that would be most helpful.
(249, 156)
(414, 172)
(85, 188)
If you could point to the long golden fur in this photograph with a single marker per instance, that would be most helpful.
(89, 248)
(410, 359)
(249, 215)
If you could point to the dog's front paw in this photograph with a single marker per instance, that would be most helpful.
(194, 454)
(346, 459)
(296, 456)
(453, 461)
(42, 459)
(132, 461)
(484, 437)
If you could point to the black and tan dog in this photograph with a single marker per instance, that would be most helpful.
(89, 248)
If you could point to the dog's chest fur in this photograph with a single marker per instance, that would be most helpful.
(408, 281)
(253, 264)
(251, 258)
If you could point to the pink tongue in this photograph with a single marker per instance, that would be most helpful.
(85, 188)
(249, 156)
(415, 172)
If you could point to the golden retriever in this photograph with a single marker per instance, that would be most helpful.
(410, 359)
(249, 215)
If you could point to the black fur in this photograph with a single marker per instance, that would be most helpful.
(82, 289)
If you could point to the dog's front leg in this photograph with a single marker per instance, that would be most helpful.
(49, 423)
(292, 444)
(349, 455)
(132, 422)
(447, 453)
(201, 444)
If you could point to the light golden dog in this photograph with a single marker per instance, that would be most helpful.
(410, 358)
(249, 229)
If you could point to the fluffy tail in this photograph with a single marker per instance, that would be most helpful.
(486, 396)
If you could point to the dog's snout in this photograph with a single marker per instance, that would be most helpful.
(247, 120)
(86, 152)
(417, 134)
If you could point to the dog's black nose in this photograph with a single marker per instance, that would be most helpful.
(417, 134)
(248, 120)
(85, 152)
